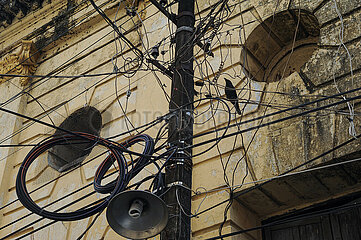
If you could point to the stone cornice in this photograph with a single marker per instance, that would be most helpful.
(22, 63)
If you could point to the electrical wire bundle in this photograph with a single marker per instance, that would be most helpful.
(115, 155)
(137, 165)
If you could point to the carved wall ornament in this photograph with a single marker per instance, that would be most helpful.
(22, 63)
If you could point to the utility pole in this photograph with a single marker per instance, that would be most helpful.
(178, 173)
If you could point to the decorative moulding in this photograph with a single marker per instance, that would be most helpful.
(22, 63)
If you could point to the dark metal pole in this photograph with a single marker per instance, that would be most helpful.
(179, 171)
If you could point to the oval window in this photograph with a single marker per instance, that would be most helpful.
(280, 45)
(64, 157)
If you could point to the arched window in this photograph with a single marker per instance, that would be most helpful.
(273, 51)
(63, 157)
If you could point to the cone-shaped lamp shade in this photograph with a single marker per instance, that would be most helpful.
(137, 214)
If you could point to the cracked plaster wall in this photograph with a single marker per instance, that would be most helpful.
(274, 150)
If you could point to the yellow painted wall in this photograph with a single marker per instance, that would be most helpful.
(88, 49)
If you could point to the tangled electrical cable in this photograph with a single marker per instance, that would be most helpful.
(116, 155)
(138, 165)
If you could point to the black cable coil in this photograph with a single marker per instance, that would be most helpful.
(115, 154)
(137, 165)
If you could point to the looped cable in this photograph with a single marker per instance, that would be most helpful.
(116, 155)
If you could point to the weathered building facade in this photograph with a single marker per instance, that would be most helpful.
(295, 65)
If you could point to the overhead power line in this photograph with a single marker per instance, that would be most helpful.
(208, 33)
(286, 172)
(281, 119)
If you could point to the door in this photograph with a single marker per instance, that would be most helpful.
(336, 223)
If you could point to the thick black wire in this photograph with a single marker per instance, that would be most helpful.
(224, 128)
(148, 125)
(116, 29)
(90, 225)
(48, 224)
(288, 109)
(135, 184)
(27, 202)
(59, 209)
(268, 123)
(60, 35)
(152, 124)
(142, 161)
(44, 185)
(157, 176)
(69, 11)
(288, 171)
(72, 97)
(172, 112)
(64, 130)
(300, 106)
(54, 221)
(70, 194)
(37, 51)
(136, 168)
(60, 76)
(20, 130)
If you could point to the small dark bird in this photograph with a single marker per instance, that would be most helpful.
(231, 95)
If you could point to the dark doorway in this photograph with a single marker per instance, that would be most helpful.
(334, 221)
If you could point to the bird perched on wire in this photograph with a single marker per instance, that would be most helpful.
(231, 95)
